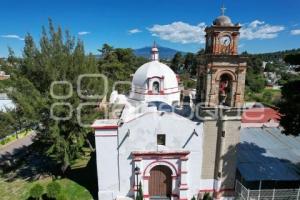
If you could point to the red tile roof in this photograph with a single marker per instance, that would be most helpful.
(260, 115)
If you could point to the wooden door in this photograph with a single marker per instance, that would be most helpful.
(160, 182)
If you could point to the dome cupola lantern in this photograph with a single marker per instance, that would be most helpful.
(155, 81)
(154, 52)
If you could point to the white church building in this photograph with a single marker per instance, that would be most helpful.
(162, 148)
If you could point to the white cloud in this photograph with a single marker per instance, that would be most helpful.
(12, 37)
(135, 30)
(83, 33)
(295, 32)
(241, 45)
(260, 30)
(179, 32)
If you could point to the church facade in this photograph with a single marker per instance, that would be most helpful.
(163, 151)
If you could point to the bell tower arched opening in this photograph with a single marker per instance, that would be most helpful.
(225, 90)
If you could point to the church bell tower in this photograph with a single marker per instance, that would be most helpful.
(220, 94)
(221, 78)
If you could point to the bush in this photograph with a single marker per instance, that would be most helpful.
(207, 196)
(36, 191)
(61, 197)
(53, 190)
(139, 195)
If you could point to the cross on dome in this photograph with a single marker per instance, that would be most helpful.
(223, 10)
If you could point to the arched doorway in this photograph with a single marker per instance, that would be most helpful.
(225, 90)
(160, 182)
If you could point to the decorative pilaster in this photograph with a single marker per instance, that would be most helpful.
(183, 188)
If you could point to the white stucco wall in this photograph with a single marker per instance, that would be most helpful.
(142, 137)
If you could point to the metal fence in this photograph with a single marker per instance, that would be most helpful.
(243, 193)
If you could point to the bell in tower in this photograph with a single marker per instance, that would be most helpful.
(221, 78)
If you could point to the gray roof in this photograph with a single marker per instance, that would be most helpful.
(222, 21)
(267, 154)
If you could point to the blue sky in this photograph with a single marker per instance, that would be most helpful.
(269, 25)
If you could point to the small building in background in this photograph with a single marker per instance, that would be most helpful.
(4, 76)
(5, 103)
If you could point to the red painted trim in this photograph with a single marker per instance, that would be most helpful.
(137, 159)
(183, 187)
(164, 161)
(146, 195)
(184, 158)
(159, 153)
(105, 127)
(112, 135)
(156, 77)
(160, 158)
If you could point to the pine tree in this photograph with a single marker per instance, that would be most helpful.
(58, 58)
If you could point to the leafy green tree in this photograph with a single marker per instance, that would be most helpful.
(177, 62)
(118, 65)
(207, 196)
(270, 68)
(255, 64)
(61, 197)
(57, 58)
(189, 61)
(53, 190)
(6, 124)
(36, 191)
(255, 82)
(293, 59)
(290, 107)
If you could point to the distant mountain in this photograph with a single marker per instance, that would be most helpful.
(164, 52)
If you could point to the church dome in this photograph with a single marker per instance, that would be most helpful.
(155, 81)
(155, 69)
(222, 21)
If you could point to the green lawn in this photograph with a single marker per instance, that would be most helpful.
(14, 137)
(19, 189)
(81, 179)
(267, 96)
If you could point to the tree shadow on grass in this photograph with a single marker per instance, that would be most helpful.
(86, 176)
(25, 163)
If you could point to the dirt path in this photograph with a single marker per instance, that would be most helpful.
(23, 142)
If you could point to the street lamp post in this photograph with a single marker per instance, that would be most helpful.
(137, 172)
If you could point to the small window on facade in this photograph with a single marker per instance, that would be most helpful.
(161, 139)
(155, 87)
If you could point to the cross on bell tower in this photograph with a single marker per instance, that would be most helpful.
(223, 10)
